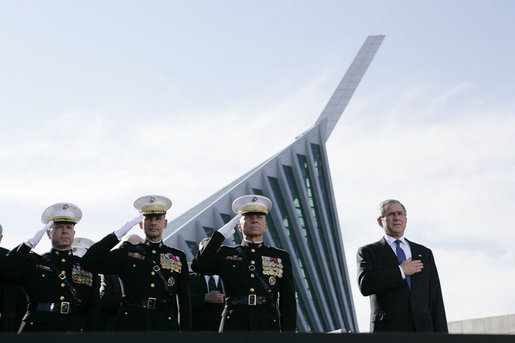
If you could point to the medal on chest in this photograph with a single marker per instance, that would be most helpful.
(171, 262)
(82, 276)
(272, 266)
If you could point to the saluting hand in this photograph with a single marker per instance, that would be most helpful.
(127, 226)
(410, 267)
(33, 241)
(228, 229)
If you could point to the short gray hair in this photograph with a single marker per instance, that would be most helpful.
(383, 204)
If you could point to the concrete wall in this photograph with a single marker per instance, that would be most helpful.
(489, 325)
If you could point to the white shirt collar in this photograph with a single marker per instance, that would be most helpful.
(216, 277)
(391, 241)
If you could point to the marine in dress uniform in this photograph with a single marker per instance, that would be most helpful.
(62, 295)
(154, 275)
(258, 281)
(12, 299)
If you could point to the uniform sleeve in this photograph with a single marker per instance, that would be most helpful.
(206, 261)
(183, 294)
(110, 293)
(287, 302)
(93, 320)
(99, 258)
(372, 280)
(13, 266)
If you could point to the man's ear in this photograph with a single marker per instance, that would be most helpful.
(380, 221)
(141, 224)
(166, 223)
(49, 234)
(239, 227)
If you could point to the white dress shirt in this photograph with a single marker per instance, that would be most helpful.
(216, 277)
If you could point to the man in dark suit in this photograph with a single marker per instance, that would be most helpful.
(400, 277)
(207, 299)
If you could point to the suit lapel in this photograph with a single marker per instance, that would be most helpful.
(416, 254)
(388, 254)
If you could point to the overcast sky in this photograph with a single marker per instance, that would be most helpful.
(104, 101)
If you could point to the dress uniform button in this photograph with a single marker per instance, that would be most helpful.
(126, 313)
(152, 285)
(31, 323)
(152, 273)
(61, 298)
(63, 260)
(253, 250)
(169, 318)
(62, 285)
(252, 289)
(252, 262)
(63, 271)
(134, 265)
(43, 275)
(153, 251)
(252, 276)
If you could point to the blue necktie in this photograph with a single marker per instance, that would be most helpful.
(401, 256)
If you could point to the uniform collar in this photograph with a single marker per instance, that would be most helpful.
(149, 243)
(61, 252)
(250, 244)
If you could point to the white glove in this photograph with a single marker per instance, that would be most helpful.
(129, 225)
(33, 241)
(228, 229)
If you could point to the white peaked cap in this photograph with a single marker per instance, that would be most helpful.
(152, 204)
(62, 212)
(252, 203)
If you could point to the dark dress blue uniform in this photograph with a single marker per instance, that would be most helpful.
(248, 308)
(52, 305)
(13, 302)
(149, 304)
